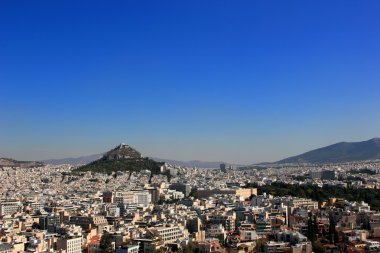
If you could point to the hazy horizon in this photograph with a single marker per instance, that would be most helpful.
(211, 81)
(77, 155)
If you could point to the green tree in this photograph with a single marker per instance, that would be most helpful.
(221, 240)
(315, 226)
(318, 248)
(260, 245)
(311, 232)
(189, 248)
(333, 234)
(106, 243)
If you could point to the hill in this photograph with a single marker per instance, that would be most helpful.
(7, 162)
(82, 160)
(122, 158)
(340, 152)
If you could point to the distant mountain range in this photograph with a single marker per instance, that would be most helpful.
(6, 162)
(74, 160)
(339, 152)
(336, 153)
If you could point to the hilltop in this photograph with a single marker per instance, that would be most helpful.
(122, 158)
(340, 152)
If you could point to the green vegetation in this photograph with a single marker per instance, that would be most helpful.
(312, 228)
(370, 196)
(260, 245)
(106, 243)
(122, 158)
(317, 247)
(189, 248)
(312, 232)
(363, 171)
(133, 164)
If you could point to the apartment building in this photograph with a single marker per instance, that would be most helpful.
(69, 245)
(10, 207)
(168, 234)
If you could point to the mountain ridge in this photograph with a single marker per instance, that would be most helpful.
(339, 152)
(80, 160)
(8, 162)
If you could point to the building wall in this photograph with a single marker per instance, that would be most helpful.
(70, 245)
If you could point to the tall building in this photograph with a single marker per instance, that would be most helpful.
(329, 174)
(154, 192)
(324, 174)
(223, 167)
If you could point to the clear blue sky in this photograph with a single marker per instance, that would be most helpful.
(239, 81)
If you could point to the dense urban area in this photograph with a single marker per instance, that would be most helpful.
(298, 208)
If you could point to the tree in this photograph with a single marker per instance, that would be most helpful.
(315, 226)
(221, 240)
(237, 221)
(260, 245)
(311, 233)
(106, 243)
(318, 248)
(189, 248)
(333, 234)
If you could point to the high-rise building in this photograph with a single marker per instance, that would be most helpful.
(329, 174)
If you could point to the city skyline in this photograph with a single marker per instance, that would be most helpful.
(214, 81)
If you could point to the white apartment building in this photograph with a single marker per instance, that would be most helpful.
(143, 198)
(10, 207)
(168, 234)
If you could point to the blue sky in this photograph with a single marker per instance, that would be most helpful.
(238, 81)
